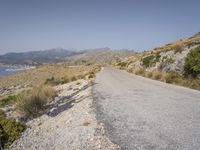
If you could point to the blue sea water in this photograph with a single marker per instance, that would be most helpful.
(6, 70)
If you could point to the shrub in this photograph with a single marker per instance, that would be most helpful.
(149, 74)
(130, 70)
(177, 48)
(157, 57)
(147, 61)
(194, 84)
(139, 71)
(157, 75)
(192, 63)
(172, 77)
(10, 130)
(32, 102)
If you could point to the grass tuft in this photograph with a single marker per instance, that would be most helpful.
(31, 103)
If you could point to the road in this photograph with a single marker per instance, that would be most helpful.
(143, 114)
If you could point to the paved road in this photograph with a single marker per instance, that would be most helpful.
(140, 113)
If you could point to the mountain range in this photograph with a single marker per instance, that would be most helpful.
(70, 57)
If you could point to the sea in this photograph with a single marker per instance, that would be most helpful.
(6, 70)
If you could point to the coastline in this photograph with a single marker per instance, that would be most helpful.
(11, 69)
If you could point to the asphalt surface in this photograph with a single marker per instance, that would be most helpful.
(143, 114)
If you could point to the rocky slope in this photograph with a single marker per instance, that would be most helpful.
(167, 58)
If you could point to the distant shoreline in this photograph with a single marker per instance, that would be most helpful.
(11, 69)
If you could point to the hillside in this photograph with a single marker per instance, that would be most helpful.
(36, 57)
(167, 63)
(99, 56)
(82, 57)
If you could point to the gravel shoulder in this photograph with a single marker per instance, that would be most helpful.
(143, 114)
(69, 125)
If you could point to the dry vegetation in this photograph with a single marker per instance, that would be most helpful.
(32, 102)
(189, 77)
(176, 46)
(40, 74)
(172, 77)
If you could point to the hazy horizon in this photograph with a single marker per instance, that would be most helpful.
(138, 25)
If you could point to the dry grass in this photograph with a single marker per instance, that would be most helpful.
(178, 48)
(172, 78)
(31, 103)
(157, 75)
(130, 70)
(40, 74)
(149, 74)
(139, 71)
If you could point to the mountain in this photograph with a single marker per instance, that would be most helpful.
(36, 57)
(82, 57)
(98, 56)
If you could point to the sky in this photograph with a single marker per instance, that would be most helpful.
(27, 25)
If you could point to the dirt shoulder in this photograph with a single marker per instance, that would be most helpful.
(70, 124)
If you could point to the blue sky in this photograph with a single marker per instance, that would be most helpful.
(27, 25)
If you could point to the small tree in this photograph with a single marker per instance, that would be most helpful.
(192, 63)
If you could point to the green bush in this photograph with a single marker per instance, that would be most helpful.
(192, 63)
(10, 130)
(157, 57)
(147, 61)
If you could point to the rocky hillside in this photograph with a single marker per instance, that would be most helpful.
(177, 63)
(167, 58)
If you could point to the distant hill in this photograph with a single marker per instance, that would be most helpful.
(98, 56)
(83, 57)
(36, 57)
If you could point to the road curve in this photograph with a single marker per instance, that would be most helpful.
(143, 114)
